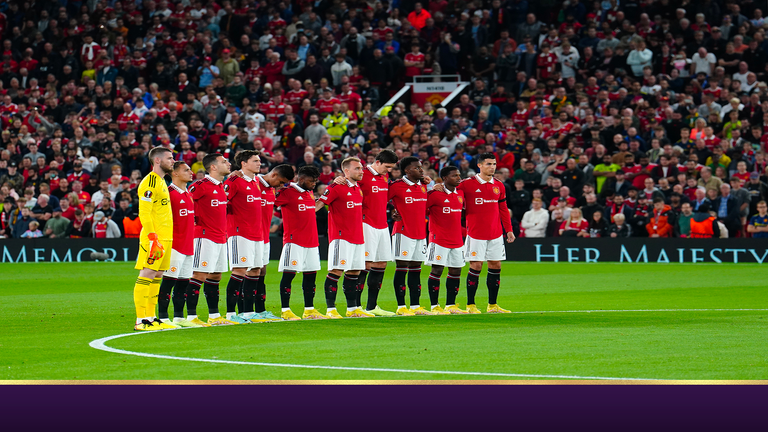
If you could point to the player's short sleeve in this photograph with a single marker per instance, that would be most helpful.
(330, 194)
(230, 188)
(392, 191)
(147, 192)
(196, 191)
(281, 198)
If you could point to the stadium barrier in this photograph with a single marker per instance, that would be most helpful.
(632, 250)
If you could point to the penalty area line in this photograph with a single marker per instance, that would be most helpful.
(100, 344)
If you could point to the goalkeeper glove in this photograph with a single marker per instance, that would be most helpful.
(156, 250)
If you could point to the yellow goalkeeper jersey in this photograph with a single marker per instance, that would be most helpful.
(155, 208)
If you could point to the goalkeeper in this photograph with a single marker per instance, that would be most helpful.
(155, 240)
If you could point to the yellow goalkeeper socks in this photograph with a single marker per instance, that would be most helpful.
(154, 290)
(141, 292)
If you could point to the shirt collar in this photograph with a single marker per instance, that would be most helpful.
(246, 178)
(263, 182)
(408, 182)
(373, 171)
(481, 181)
(350, 183)
(445, 189)
(212, 180)
(178, 189)
(297, 187)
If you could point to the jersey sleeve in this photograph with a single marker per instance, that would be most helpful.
(146, 203)
(330, 194)
(196, 191)
(230, 188)
(506, 221)
(281, 198)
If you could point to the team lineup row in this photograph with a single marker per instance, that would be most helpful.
(191, 236)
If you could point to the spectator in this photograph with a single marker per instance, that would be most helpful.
(684, 221)
(57, 226)
(33, 231)
(619, 228)
(758, 224)
(103, 227)
(597, 226)
(661, 222)
(20, 224)
(535, 221)
(703, 224)
(575, 225)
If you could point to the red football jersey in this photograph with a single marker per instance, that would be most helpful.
(486, 204)
(294, 98)
(415, 58)
(345, 212)
(410, 201)
(210, 209)
(267, 206)
(375, 188)
(325, 106)
(520, 119)
(243, 208)
(351, 99)
(183, 208)
(299, 223)
(444, 211)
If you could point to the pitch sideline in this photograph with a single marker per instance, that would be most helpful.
(100, 344)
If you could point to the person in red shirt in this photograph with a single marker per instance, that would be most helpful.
(210, 237)
(296, 95)
(127, 117)
(245, 241)
(446, 246)
(409, 234)
(176, 278)
(279, 176)
(545, 62)
(325, 104)
(486, 214)
(352, 99)
(346, 250)
(414, 61)
(300, 243)
(575, 225)
(78, 173)
(418, 18)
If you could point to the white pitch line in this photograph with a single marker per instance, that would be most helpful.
(100, 344)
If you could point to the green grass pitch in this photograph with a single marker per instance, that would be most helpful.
(51, 312)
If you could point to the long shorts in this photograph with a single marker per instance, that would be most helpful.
(377, 244)
(408, 249)
(295, 258)
(265, 254)
(446, 257)
(346, 256)
(210, 257)
(243, 252)
(143, 261)
(181, 265)
(484, 250)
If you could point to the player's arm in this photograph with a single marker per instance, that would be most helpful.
(506, 218)
(392, 193)
(146, 205)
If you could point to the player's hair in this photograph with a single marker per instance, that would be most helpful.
(446, 171)
(246, 155)
(407, 161)
(387, 156)
(348, 161)
(157, 152)
(285, 171)
(309, 171)
(482, 157)
(178, 164)
(209, 159)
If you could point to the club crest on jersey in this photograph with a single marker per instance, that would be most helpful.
(148, 194)
(439, 257)
(343, 262)
(461, 200)
(423, 189)
(474, 254)
(243, 259)
(294, 262)
(495, 190)
(367, 253)
(173, 269)
(405, 253)
(361, 192)
(204, 263)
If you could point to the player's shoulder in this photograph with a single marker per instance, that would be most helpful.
(198, 184)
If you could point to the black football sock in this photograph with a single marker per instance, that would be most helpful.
(249, 293)
(285, 289)
(350, 290)
(211, 291)
(179, 297)
(234, 286)
(193, 296)
(400, 274)
(261, 295)
(308, 286)
(414, 285)
(375, 278)
(452, 287)
(433, 286)
(473, 278)
(360, 286)
(164, 297)
(331, 287)
(493, 281)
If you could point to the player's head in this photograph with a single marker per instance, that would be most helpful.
(411, 167)
(385, 161)
(162, 157)
(249, 161)
(182, 172)
(216, 165)
(308, 176)
(762, 207)
(281, 175)
(486, 162)
(451, 176)
(353, 168)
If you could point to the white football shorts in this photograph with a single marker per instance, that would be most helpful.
(377, 244)
(210, 257)
(296, 258)
(408, 249)
(484, 250)
(181, 266)
(244, 253)
(443, 256)
(343, 255)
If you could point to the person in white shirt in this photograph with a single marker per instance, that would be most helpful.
(741, 75)
(535, 220)
(703, 61)
(568, 57)
(639, 58)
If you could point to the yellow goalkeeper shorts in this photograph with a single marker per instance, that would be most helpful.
(144, 261)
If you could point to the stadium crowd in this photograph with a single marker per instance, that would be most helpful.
(608, 119)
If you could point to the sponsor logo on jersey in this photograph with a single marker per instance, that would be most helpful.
(164, 201)
(374, 189)
(408, 200)
(483, 201)
(148, 194)
(183, 212)
(250, 198)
